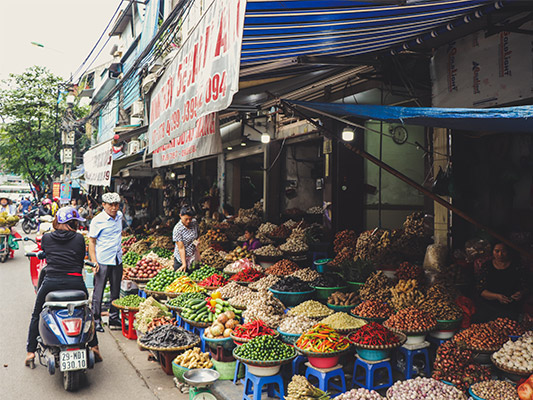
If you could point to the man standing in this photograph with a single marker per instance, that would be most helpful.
(105, 250)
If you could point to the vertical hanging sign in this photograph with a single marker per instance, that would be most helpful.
(98, 162)
(203, 77)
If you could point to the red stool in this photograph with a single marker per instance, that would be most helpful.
(127, 318)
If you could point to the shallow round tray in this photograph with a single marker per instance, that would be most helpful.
(509, 370)
(125, 308)
(402, 339)
(201, 377)
(480, 351)
(368, 319)
(242, 340)
(448, 324)
(173, 308)
(412, 333)
(197, 324)
(140, 280)
(264, 363)
(321, 355)
(155, 293)
(168, 348)
(211, 287)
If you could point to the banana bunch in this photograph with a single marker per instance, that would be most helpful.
(300, 389)
(406, 294)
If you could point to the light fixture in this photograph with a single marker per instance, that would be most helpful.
(243, 143)
(172, 175)
(230, 148)
(265, 138)
(347, 134)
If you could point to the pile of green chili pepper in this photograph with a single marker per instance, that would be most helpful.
(322, 339)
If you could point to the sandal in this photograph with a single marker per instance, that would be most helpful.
(30, 360)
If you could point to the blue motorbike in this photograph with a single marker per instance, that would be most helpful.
(66, 326)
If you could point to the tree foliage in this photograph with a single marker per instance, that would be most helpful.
(30, 134)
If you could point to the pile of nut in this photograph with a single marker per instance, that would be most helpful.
(495, 390)
(215, 235)
(264, 283)
(411, 319)
(213, 259)
(508, 326)
(267, 228)
(282, 267)
(243, 299)
(486, 336)
(343, 321)
(294, 246)
(373, 309)
(406, 294)
(517, 355)
(265, 307)
(233, 289)
(407, 271)
(306, 274)
(343, 299)
(311, 309)
(377, 287)
(268, 251)
(297, 324)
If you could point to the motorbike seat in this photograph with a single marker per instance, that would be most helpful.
(66, 295)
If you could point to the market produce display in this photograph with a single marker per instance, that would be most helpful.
(406, 294)
(264, 348)
(215, 280)
(282, 232)
(212, 258)
(182, 299)
(517, 355)
(291, 284)
(204, 272)
(456, 365)
(482, 337)
(244, 299)
(343, 322)
(145, 269)
(253, 329)
(322, 339)
(282, 267)
(407, 271)
(131, 258)
(233, 289)
(183, 284)
(127, 241)
(525, 390)
(343, 299)
(508, 326)
(215, 235)
(264, 283)
(345, 255)
(294, 246)
(163, 242)
(240, 265)
(162, 252)
(411, 319)
(194, 359)
(266, 307)
(169, 336)
(159, 321)
(423, 388)
(247, 275)
(442, 309)
(344, 239)
(251, 216)
(222, 326)
(315, 210)
(329, 279)
(268, 251)
(495, 390)
(266, 228)
(130, 301)
(148, 310)
(311, 309)
(357, 270)
(360, 394)
(373, 309)
(163, 279)
(167, 263)
(376, 287)
(237, 254)
(300, 389)
(374, 335)
(218, 306)
(140, 246)
(296, 324)
(306, 274)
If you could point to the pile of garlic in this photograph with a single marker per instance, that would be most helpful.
(517, 355)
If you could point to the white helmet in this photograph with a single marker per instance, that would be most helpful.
(110, 198)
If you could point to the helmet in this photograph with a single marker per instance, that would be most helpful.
(110, 198)
(47, 201)
(66, 214)
(56, 199)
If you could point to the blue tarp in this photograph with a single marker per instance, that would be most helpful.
(506, 119)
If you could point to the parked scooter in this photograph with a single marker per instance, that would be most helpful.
(36, 265)
(30, 221)
(66, 326)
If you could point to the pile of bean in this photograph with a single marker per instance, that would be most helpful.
(495, 390)
(360, 394)
(517, 355)
(481, 337)
(373, 309)
(344, 239)
(306, 274)
(508, 327)
(184, 298)
(311, 309)
(131, 300)
(442, 310)
(423, 388)
(374, 334)
(411, 319)
(297, 324)
(282, 267)
(281, 232)
(264, 283)
(167, 336)
(266, 307)
(328, 280)
(291, 284)
(213, 259)
(233, 289)
(265, 348)
(268, 251)
(377, 287)
(343, 321)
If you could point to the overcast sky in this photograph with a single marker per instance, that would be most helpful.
(67, 28)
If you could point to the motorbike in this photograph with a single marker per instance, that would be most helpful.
(36, 265)
(30, 221)
(66, 326)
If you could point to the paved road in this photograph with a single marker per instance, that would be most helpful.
(114, 378)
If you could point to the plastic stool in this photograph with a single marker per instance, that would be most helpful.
(127, 318)
(142, 294)
(318, 255)
(200, 332)
(371, 367)
(236, 376)
(253, 386)
(410, 352)
(324, 375)
(437, 342)
(297, 363)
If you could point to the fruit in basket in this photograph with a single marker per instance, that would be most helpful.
(238, 254)
(164, 278)
(221, 328)
(3, 221)
(5, 231)
(144, 269)
(215, 235)
(264, 348)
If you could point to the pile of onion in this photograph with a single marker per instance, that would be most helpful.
(222, 327)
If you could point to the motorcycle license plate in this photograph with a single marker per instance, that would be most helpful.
(72, 360)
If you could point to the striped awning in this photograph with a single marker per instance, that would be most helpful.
(274, 30)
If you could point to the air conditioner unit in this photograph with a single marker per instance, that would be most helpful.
(137, 109)
(148, 82)
(133, 147)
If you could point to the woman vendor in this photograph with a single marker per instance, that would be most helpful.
(251, 243)
(185, 235)
(501, 286)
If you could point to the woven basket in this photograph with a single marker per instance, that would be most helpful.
(197, 324)
(401, 337)
(255, 363)
(124, 307)
(168, 348)
(509, 370)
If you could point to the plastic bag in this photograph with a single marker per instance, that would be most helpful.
(435, 258)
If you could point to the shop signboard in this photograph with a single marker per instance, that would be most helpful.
(204, 140)
(478, 71)
(98, 162)
(65, 192)
(203, 77)
(56, 190)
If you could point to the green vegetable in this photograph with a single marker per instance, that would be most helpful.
(265, 348)
(202, 273)
(131, 300)
(131, 258)
(164, 278)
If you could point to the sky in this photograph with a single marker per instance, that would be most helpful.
(68, 29)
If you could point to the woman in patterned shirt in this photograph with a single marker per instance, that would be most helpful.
(184, 235)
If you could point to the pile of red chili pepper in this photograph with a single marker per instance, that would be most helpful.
(253, 329)
(248, 274)
(322, 339)
(215, 280)
(374, 334)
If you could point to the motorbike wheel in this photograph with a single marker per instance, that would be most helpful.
(26, 227)
(3, 258)
(71, 380)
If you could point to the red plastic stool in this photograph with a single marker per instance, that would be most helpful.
(127, 317)
(166, 358)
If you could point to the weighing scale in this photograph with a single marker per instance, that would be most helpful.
(200, 380)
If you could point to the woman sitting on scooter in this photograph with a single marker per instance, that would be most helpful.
(65, 252)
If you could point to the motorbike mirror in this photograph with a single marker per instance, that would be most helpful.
(17, 239)
(26, 239)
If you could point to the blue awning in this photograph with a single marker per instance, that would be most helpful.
(275, 30)
(506, 119)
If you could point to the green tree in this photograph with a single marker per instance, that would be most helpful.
(31, 116)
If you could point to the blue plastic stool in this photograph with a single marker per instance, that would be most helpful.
(187, 326)
(253, 386)
(371, 367)
(318, 255)
(437, 342)
(409, 358)
(142, 293)
(297, 363)
(236, 376)
(324, 376)
(199, 332)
